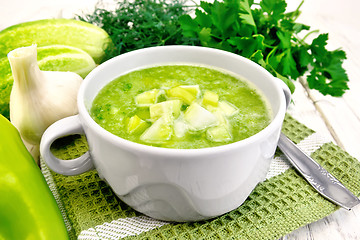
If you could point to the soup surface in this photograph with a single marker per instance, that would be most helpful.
(181, 106)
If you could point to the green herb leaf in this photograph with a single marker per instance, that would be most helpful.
(327, 76)
(269, 36)
(247, 46)
(264, 33)
(143, 23)
(274, 8)
(246, 14)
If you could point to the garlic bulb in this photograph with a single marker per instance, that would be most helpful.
(39, 98)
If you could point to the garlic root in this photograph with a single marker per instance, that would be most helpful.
(39, 98)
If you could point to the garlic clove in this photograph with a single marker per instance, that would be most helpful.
(39, 98)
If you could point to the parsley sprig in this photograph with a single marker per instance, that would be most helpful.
(263, 32)
(268, 35)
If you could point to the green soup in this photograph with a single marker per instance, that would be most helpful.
(181, 106)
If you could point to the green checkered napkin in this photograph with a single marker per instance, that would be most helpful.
(276, 207)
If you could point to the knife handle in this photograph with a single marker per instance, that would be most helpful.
(325, 183)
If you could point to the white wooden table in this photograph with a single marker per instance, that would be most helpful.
(338, 118)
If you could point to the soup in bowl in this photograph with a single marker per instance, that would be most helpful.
(180, 133)
(181, 106)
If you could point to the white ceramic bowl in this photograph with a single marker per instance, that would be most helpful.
(173, 184)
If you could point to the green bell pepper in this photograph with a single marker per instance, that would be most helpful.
(28, 209)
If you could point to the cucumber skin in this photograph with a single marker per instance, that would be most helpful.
(83, 35)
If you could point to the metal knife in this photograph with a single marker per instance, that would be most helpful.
(325, 183)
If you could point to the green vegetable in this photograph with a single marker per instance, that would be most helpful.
(65, 58)
(198, 117)
(160, 131)
(269, 36)
(167, 118)
(264, 33)
(181, 93)
(210, 99)
(136, 125)
(28, 209)
(170, 108)
(50, 58)
(227, 108)
(85, 36)
(148, 98)
(180, 127)
(219, 134)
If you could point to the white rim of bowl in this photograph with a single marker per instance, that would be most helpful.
(138, 147)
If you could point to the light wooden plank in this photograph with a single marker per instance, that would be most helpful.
(341, 225)
(341, 115)
(343, 124)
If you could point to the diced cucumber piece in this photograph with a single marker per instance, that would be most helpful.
(170, 108)
(159, 132)
(227, 108)
(182, 112)
(221, 119)
(198, 117)
(147, 98)
(143, 113)
(210, 99)
(193, 89)
(136, 125)
(180, 127)
(182, 93)
(219, 134)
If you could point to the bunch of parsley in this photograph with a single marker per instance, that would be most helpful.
(264, 33)
(268, 35)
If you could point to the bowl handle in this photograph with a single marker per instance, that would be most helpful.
(64, 127)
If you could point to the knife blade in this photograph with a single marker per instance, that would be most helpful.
(323, 182)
